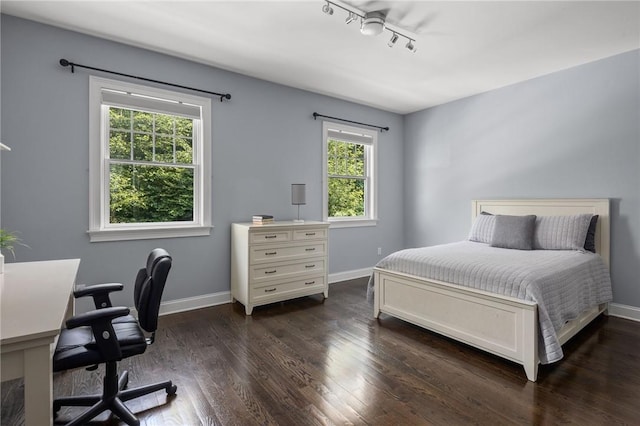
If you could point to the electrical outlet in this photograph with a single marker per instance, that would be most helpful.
(379, 251)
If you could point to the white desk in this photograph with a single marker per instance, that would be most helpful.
(35, 301)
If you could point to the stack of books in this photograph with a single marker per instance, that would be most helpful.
(262, 219)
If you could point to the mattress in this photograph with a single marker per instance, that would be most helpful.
(563, 283)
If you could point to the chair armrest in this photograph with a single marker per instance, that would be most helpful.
(97, 316)
(102, 329)
(99, 292)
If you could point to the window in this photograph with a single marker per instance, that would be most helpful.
(149, 162)
(349, 170)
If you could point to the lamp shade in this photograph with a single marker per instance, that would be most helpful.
(298, 194)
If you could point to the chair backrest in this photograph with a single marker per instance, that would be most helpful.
(149, 287)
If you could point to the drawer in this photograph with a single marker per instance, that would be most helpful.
(261, 253)
(273, 290)
(274, 236)
(310, 234)
(258, 274)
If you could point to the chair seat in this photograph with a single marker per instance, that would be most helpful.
(124, 319)
(77, 348)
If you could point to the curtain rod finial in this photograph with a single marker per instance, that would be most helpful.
(66, 63)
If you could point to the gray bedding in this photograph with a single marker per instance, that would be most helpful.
(563, 283)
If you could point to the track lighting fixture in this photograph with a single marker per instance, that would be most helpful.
(394, 39)
(327, 9)
(372, 24)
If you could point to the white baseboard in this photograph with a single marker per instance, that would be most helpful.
(197, 302)
(191, 303)
(624, 311)
(349, 275)
(180, 305)
(213, 299)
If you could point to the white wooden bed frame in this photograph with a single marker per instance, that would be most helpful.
(501, 325)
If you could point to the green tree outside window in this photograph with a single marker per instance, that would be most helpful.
(346, 168)
(151, 173)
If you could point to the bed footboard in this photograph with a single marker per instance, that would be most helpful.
(503, 326)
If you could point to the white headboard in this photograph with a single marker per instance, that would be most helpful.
(554, 207)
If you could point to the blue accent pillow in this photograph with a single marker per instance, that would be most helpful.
(590, 241)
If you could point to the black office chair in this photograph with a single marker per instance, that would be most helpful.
(109, 334)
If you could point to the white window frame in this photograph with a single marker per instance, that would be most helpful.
(356, 135)
(99, 227)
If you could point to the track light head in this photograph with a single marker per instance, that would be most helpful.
(351, 17)
(411, 47)
(394, 39)
(327, 9)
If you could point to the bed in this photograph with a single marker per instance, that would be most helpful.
(503, 325)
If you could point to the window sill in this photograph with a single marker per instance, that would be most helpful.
(147, 233)
(351, 223)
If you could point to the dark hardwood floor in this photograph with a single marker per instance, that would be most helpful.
(307, 362)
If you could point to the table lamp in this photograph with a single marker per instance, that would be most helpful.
(298, 197)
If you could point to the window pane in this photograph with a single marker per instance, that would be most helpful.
(164, 149)
(142, 147)
(332, 147)
(345, 159)
(119, 118)
(142, 121)
(356, 167)
(164, 124)
(346, 197)
(184, 150)
(150, 194)
(120, 145)
(184, 127)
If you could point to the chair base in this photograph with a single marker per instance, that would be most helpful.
(112, 398)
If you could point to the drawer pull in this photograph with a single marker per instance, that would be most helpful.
(310, 234)
(270, 253)
(309, 282)
(268, 237)
(270, 272)
(310, 266)
(269, 290)
(310, 249)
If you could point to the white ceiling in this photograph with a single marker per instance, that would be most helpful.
(463, 48)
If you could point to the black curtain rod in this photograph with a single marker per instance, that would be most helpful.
(66, 63)
(316, 115)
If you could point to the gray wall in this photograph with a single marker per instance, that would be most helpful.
(264, 139)
(570, 134)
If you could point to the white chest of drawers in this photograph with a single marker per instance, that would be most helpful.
(279, 261)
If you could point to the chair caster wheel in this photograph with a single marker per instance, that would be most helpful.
(172, 390)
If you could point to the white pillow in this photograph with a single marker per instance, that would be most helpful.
(561, 232)
(482, 228)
